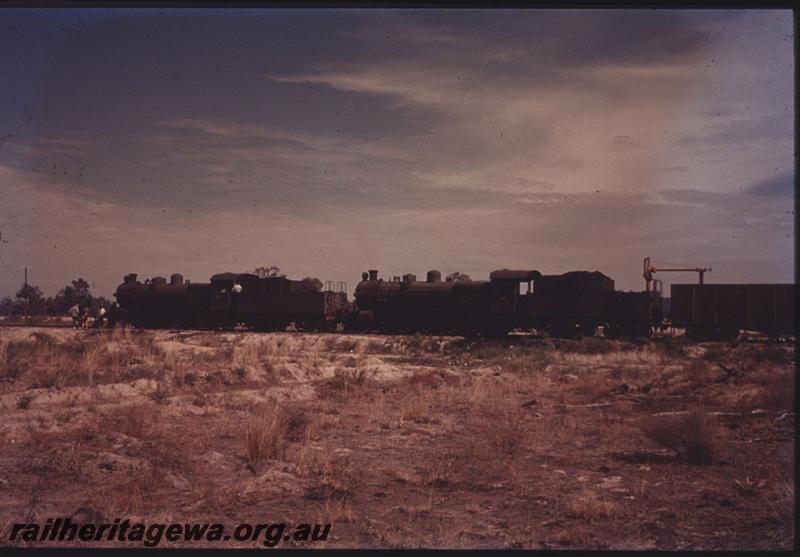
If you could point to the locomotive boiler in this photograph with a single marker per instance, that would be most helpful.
(157, 303)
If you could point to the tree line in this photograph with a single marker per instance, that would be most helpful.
(31, 300)
(271, 271)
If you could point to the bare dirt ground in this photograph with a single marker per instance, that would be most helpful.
(411, 441)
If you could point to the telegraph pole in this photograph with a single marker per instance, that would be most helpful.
(27, 291)
(27, 294)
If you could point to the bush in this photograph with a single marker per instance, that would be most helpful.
(774, 391)
(771, 354)
(376, 347)
(160, 394)
(714, 353)
(270, 429)
(24, 402)
(675, 346)
(344, 378)
(590, 506)
(691, 435)
(593, 345)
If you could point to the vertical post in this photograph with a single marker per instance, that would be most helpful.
(702, 272)
(27, 294)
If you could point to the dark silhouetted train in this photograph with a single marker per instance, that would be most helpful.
(567, 305)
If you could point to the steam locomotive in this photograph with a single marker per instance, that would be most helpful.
(568, 305)
(231, 299)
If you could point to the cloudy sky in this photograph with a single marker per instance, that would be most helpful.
(329, 141)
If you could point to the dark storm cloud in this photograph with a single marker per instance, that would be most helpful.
(780, 185)
(737, 128)
(115, 77)
(113, 81)
(537, 38)
(538, 50)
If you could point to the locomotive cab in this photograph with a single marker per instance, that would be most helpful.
(231, 295)
(508, 294)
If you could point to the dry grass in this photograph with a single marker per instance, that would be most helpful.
(415, 407)
(267, 433)
(674, 347)
(589, 345)
(329, 475)
(526, 363)
(418, 344)
(160, 394)
(693, 436)
(378, 347)
(135, 420)
(404, 441)
(500, 429)
(24, 401)
(343, 345)
(335, 510)
(774, 354)
(99, 357)
(773, 390)
(345, 382)
(590, 506)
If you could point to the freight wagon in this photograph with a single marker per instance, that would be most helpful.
(722, 311)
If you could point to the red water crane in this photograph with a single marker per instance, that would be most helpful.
(649, 271)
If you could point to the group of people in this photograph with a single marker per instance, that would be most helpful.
(102, 319)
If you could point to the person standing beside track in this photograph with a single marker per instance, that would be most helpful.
(235, 292)
(75, 313)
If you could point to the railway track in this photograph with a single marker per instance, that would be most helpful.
(746, 337)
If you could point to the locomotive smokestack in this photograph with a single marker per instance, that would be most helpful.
(373, 274)
(434, 276)
(176, 279)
